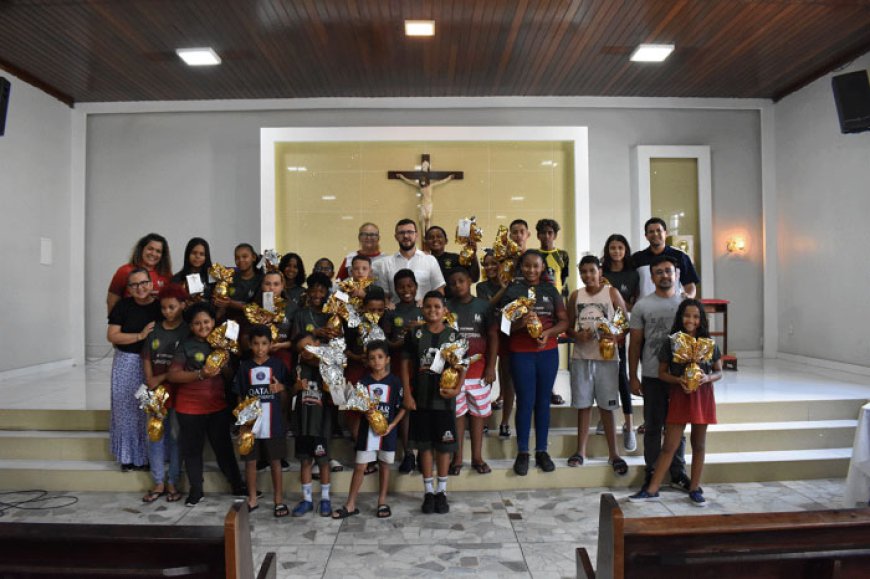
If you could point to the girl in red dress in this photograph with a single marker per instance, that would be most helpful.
(697, 408)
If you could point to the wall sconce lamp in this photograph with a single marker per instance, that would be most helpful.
(736, 245)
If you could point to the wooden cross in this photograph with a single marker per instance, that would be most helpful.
(425, 180)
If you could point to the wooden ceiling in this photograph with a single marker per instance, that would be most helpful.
(123, 50)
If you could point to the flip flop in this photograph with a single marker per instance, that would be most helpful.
(252, 509)
(371, 468)
(620, 467)
(152, 496)
(481, 468)
(281, 510)
(575, 460)
(384, 512)
(454, 470)
(174, 497)
(343, 513)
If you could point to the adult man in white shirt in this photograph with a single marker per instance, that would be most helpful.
(424, 266)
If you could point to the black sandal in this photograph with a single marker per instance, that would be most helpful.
(481, 468)
(384, 512)
(343, 513)
(281, 510)
(575, 460)
(454, 470)
(620, 467)
(371, 468)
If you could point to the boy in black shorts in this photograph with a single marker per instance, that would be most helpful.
(312, 426)
(433, 411)
(264, 376)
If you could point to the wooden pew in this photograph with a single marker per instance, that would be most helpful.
(811, 544)
(77, 550)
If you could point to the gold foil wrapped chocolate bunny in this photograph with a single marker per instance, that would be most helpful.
(224, 277)
(469, 242)
(692, 352)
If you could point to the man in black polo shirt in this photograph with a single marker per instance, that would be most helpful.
(656, 231)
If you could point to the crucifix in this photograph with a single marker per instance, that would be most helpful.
(424, 181)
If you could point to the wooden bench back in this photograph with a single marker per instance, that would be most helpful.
(834, 543)
(79, 550)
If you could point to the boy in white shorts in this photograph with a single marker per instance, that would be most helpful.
(387, 388)
(477, 324)
(593, 378)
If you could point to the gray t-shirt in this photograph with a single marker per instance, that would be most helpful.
(655, 316)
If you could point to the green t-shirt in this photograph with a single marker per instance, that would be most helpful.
(309, 415)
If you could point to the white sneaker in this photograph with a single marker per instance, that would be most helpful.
(629, 440)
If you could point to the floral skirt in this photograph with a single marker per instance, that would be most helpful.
(127, 430)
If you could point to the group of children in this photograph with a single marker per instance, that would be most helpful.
(402, 372)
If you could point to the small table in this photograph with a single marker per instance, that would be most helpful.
(714, 306)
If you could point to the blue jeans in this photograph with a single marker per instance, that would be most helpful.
(157, 452)
(534, 374)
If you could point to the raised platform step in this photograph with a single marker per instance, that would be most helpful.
(720, 467)
(762, 436)
(561, 416)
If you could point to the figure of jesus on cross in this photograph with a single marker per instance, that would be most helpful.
(424, 181)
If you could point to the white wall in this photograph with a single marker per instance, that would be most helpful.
(185, 174)
(823, 182)
(35, 164)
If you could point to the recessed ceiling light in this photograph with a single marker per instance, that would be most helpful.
(518, 198)
(651, 52)
(328, 197)
(419, 28)
(199, 56)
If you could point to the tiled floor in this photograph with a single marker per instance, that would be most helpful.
(757, 380)
(486, 534)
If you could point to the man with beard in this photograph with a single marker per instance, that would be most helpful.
(656, 231)
(425, 267)
(651, 320)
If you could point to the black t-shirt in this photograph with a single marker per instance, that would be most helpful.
(388, 391)
(486, 289)
(474, 320)
(309, 414)
(253, 379)
(161, 345)
(447, 261)
(207, 290)
(421, 345)
(642, 259)
(244, 290)
(133, 318)
(626, 282)
(308, 319)
(397, 321)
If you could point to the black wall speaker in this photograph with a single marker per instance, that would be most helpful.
(5, 89)
(852, 95)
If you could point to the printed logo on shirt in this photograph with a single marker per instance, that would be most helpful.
(231, 291)
(448, 264)
(319, 450)
(546, 299)
(419, 333)
(155, 344)
(199, 357)
(309, 327)
(447, 436)
(398, 322)
(478, 318)
(260, 375)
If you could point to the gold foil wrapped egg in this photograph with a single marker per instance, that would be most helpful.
(607, 347)
(334, 323)
(693, 376)
(216, 360)
(449, 379)
(155, 429)
(534, 326)
(377, 421)
(466, 255)
(246, 441)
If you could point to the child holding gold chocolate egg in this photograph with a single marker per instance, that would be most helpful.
(311, 318)
(386, 388)
(594, 360)
(264, 376)
(312, 425)
(691, 398)
(433, 410)
(534, 358)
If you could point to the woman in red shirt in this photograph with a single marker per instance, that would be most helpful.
(152, 254)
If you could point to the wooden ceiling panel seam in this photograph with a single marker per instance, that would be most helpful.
(514, 31)
(608, 74)
(577, 80)
(557, 40)
(568, 64)
(481, 76)
(545, 37)
(528, 44)
(816, 38)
